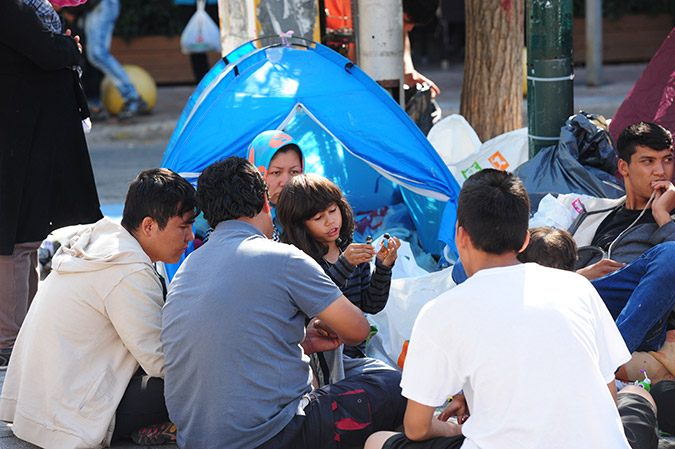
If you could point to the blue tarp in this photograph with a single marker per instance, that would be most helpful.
(349, 128)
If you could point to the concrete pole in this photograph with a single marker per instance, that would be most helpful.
(593, 42)
(237, 23)
(550, 99)
(380, 43)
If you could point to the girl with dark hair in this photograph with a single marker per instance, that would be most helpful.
(316, 217)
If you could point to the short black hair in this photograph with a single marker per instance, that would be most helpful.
(160, 194)
(646, 134)
(230, 189)
(494, 209)
(550, 247)
(420, 12)
(303, 197)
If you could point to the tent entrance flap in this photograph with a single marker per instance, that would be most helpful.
(325, 155)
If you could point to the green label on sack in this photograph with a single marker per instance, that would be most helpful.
(473, 168)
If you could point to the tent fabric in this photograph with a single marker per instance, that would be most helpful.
(652, 98)
(345, 123)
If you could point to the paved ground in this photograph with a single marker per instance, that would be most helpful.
(140, 142)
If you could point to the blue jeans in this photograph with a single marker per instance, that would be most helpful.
(98, 30)
(639, 296)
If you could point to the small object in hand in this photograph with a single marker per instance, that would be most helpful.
(385, 244)
(369, 239)
(322, 332)
(385, 240)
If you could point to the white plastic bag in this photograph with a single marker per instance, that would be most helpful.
(504, 152)
(201, 34)
(407, 296)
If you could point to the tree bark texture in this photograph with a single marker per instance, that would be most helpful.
(492, 90)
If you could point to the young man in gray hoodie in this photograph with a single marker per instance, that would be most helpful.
(627, 246)
(88, 365)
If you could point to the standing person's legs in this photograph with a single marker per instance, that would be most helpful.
(640, 297)
(99, 24)
(19, 281)
(346, 412)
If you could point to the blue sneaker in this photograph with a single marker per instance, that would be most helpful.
(132, 108)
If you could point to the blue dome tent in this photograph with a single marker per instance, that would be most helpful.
(349, 128)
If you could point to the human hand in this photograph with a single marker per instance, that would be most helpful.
(357, 253)
(319, 338)
(413, 77)
(664, 201)
(388, 254)
(456, 408)
(600, 269)
(76, 38)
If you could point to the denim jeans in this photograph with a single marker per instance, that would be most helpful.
(639, 296)
(98, 30)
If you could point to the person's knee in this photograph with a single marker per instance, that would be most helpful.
(634, 389)
(377, 440)
(665, 252)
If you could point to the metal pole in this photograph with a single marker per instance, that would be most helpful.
(550, 99)
(380, 43)
(593, 42)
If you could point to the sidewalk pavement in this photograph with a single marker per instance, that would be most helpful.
(159, 124)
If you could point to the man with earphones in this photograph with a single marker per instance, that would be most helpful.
(627, 245)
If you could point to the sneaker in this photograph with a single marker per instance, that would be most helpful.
(132, 108)
(155, 434)
(4, 358)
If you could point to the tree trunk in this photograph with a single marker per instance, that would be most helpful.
(492, 90)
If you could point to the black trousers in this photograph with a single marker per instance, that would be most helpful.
(141, 406)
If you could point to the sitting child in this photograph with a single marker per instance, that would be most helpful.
(317, 218)
(550, 247)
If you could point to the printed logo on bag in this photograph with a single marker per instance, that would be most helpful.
(473, 168)
(498, 161)
(578, 206)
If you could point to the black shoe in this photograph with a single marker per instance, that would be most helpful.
(132, 108)
(4, 358)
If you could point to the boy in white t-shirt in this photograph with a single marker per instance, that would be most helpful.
(533, 349)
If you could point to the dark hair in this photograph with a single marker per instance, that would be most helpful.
(230, 189)
(645, 134)
(160, 194)
(494, 209)
(303, 197)
(420, 12)
(550, 247)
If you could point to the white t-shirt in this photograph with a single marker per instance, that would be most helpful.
(533, 348)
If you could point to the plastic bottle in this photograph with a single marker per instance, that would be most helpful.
(646, 383)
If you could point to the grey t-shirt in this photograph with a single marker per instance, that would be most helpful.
(231, 332)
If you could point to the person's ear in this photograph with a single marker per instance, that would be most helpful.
(147, 226)
(526, 242)
(461, 237)
(623, 167)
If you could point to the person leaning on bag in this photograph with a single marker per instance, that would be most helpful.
(46, 179)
